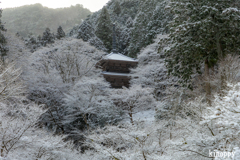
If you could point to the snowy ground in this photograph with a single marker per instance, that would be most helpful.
(145, 116)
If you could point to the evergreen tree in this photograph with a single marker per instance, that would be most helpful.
(137, 34)
(3, 41)
(104, 28)
(95, 41)
(117, 8)
(129, 22)
(201, 32)
(86, 30)
(150, 20)
(125, 36)
(47, 37)
(39, 39)
(60, 33)
(158, 21)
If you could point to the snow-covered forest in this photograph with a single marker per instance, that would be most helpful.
(184, 96)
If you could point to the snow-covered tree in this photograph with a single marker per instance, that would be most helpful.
(126, 141)
(104, 28)
(60, 33)
(70, 66)
(222, 118)
(200, 34)
(54, 72)
(117, 8)
(151, 71)
(90, 100)
(86, 30)
(150, 20)
(134, 99)
(124, 36)
(137, 34)
(47, 37)
(158, 22)
(32, 43)
(19, 136)
(10, 85)
(21, 139)
(95, 41)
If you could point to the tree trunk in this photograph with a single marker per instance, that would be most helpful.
(207, 83)
(219, 47)
(130, 114)
(85, 120)
(2, 148)
(220, 56)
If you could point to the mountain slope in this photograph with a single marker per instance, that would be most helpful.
(36, 18)
(137, 24)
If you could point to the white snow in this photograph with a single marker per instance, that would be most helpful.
(120, 57)
(228, 10)
(115, 74)
(146, 116)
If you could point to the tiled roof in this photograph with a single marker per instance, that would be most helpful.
(120, 57)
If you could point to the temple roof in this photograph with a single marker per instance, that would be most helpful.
(119, 57)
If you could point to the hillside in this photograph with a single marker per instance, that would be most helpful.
(36, 18)
(161, 128)
(137, 24)
(183, 101)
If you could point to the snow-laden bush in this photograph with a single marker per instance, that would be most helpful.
(21, 140)
(227, 71)
(144, 140)
(126, 142)
(10, 84)
(216, 128)
(95, 41)
(51, 72)
(65, 80)
(90, 100)
(134, 99)
(151, 71)
(224, 118)
(19, 137)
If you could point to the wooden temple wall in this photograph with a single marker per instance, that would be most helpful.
(119, 66)
(117, 81)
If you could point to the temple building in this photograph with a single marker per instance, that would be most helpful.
(116, 67)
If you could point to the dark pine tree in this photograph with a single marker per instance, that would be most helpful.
(104, 28)
(47, 37)
(201, 32)
(86, 30)
(117, 8)
(60, 33)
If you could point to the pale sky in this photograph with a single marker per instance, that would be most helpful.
(92, 5)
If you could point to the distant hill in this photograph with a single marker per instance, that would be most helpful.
(36, 18)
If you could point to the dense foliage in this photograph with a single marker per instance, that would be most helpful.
(60, 33)
(104, 28)
(137, 23)
(47, 37)
(59, 106)
(201, 32)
